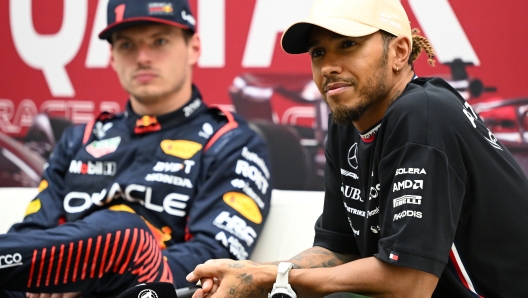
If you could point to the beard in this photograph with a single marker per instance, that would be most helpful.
(374, 89)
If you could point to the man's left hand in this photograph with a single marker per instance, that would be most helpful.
(233, 279)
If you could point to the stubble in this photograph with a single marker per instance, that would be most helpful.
(372, 91)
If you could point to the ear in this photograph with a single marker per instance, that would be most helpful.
(195, 49)
(401, 47)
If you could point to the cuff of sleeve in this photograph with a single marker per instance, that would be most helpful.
(401, 258)
(337, 242)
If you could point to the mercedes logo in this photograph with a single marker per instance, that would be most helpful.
(352, 156)
(147, 294)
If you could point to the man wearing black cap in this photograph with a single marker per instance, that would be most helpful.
(148, 194)
(421, 199)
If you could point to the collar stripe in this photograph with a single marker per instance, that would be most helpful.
(370, 135)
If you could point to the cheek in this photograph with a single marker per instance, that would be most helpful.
(317, 78)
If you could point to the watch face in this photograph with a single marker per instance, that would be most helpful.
(281, 295)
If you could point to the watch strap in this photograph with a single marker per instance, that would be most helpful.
(281, 285)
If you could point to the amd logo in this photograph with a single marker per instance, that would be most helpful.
(405, 184)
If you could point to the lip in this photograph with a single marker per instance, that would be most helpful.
(144, 77)
(334, 88)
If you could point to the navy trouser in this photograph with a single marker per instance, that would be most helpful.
(101, 256)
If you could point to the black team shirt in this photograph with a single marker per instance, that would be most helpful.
(431, 188)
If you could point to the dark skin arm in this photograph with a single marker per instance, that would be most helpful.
(317, 272)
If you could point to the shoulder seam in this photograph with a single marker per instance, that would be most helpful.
(230, 125)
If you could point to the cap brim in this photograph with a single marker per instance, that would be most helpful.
(108, 31)
(295, 39)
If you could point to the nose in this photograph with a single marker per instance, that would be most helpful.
(330, 67)
(144, 54)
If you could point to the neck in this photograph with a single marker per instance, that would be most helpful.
(375, 113)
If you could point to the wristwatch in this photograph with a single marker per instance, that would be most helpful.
(281, 287)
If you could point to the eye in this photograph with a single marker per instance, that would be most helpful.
(124, 45)
(314, 53)
(347, 44)
(160, 41)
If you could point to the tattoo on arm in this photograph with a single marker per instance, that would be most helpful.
(246, 288)
(235, 265)
(317, 257)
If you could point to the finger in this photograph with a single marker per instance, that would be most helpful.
(72, 295)
(216, 284)
(211, 268)
(207, 284)
(198, 294)
(199, 272)
(192, 277)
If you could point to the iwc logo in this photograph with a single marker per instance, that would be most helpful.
(352, 156)
(147, 294)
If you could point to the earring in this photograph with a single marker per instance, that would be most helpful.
(397, 69)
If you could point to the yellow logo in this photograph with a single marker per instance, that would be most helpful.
(161, 236)
(121, 207)
(43, 185)
(245, 205)
(33, 207)
(180, 148)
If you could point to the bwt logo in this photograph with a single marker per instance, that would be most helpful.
(10, 260)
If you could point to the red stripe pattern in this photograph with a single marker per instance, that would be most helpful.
(230, 125)
(461, 271)
(135, 251)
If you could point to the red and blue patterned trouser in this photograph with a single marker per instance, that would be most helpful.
(100, 256)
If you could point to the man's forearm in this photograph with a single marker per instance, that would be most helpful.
(319, 257)
(315, 276)
(369, 276)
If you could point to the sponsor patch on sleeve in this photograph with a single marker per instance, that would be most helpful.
(33, 207)
(180, 148)
(244, 205)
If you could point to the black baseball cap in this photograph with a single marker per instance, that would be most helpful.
(122, 14)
